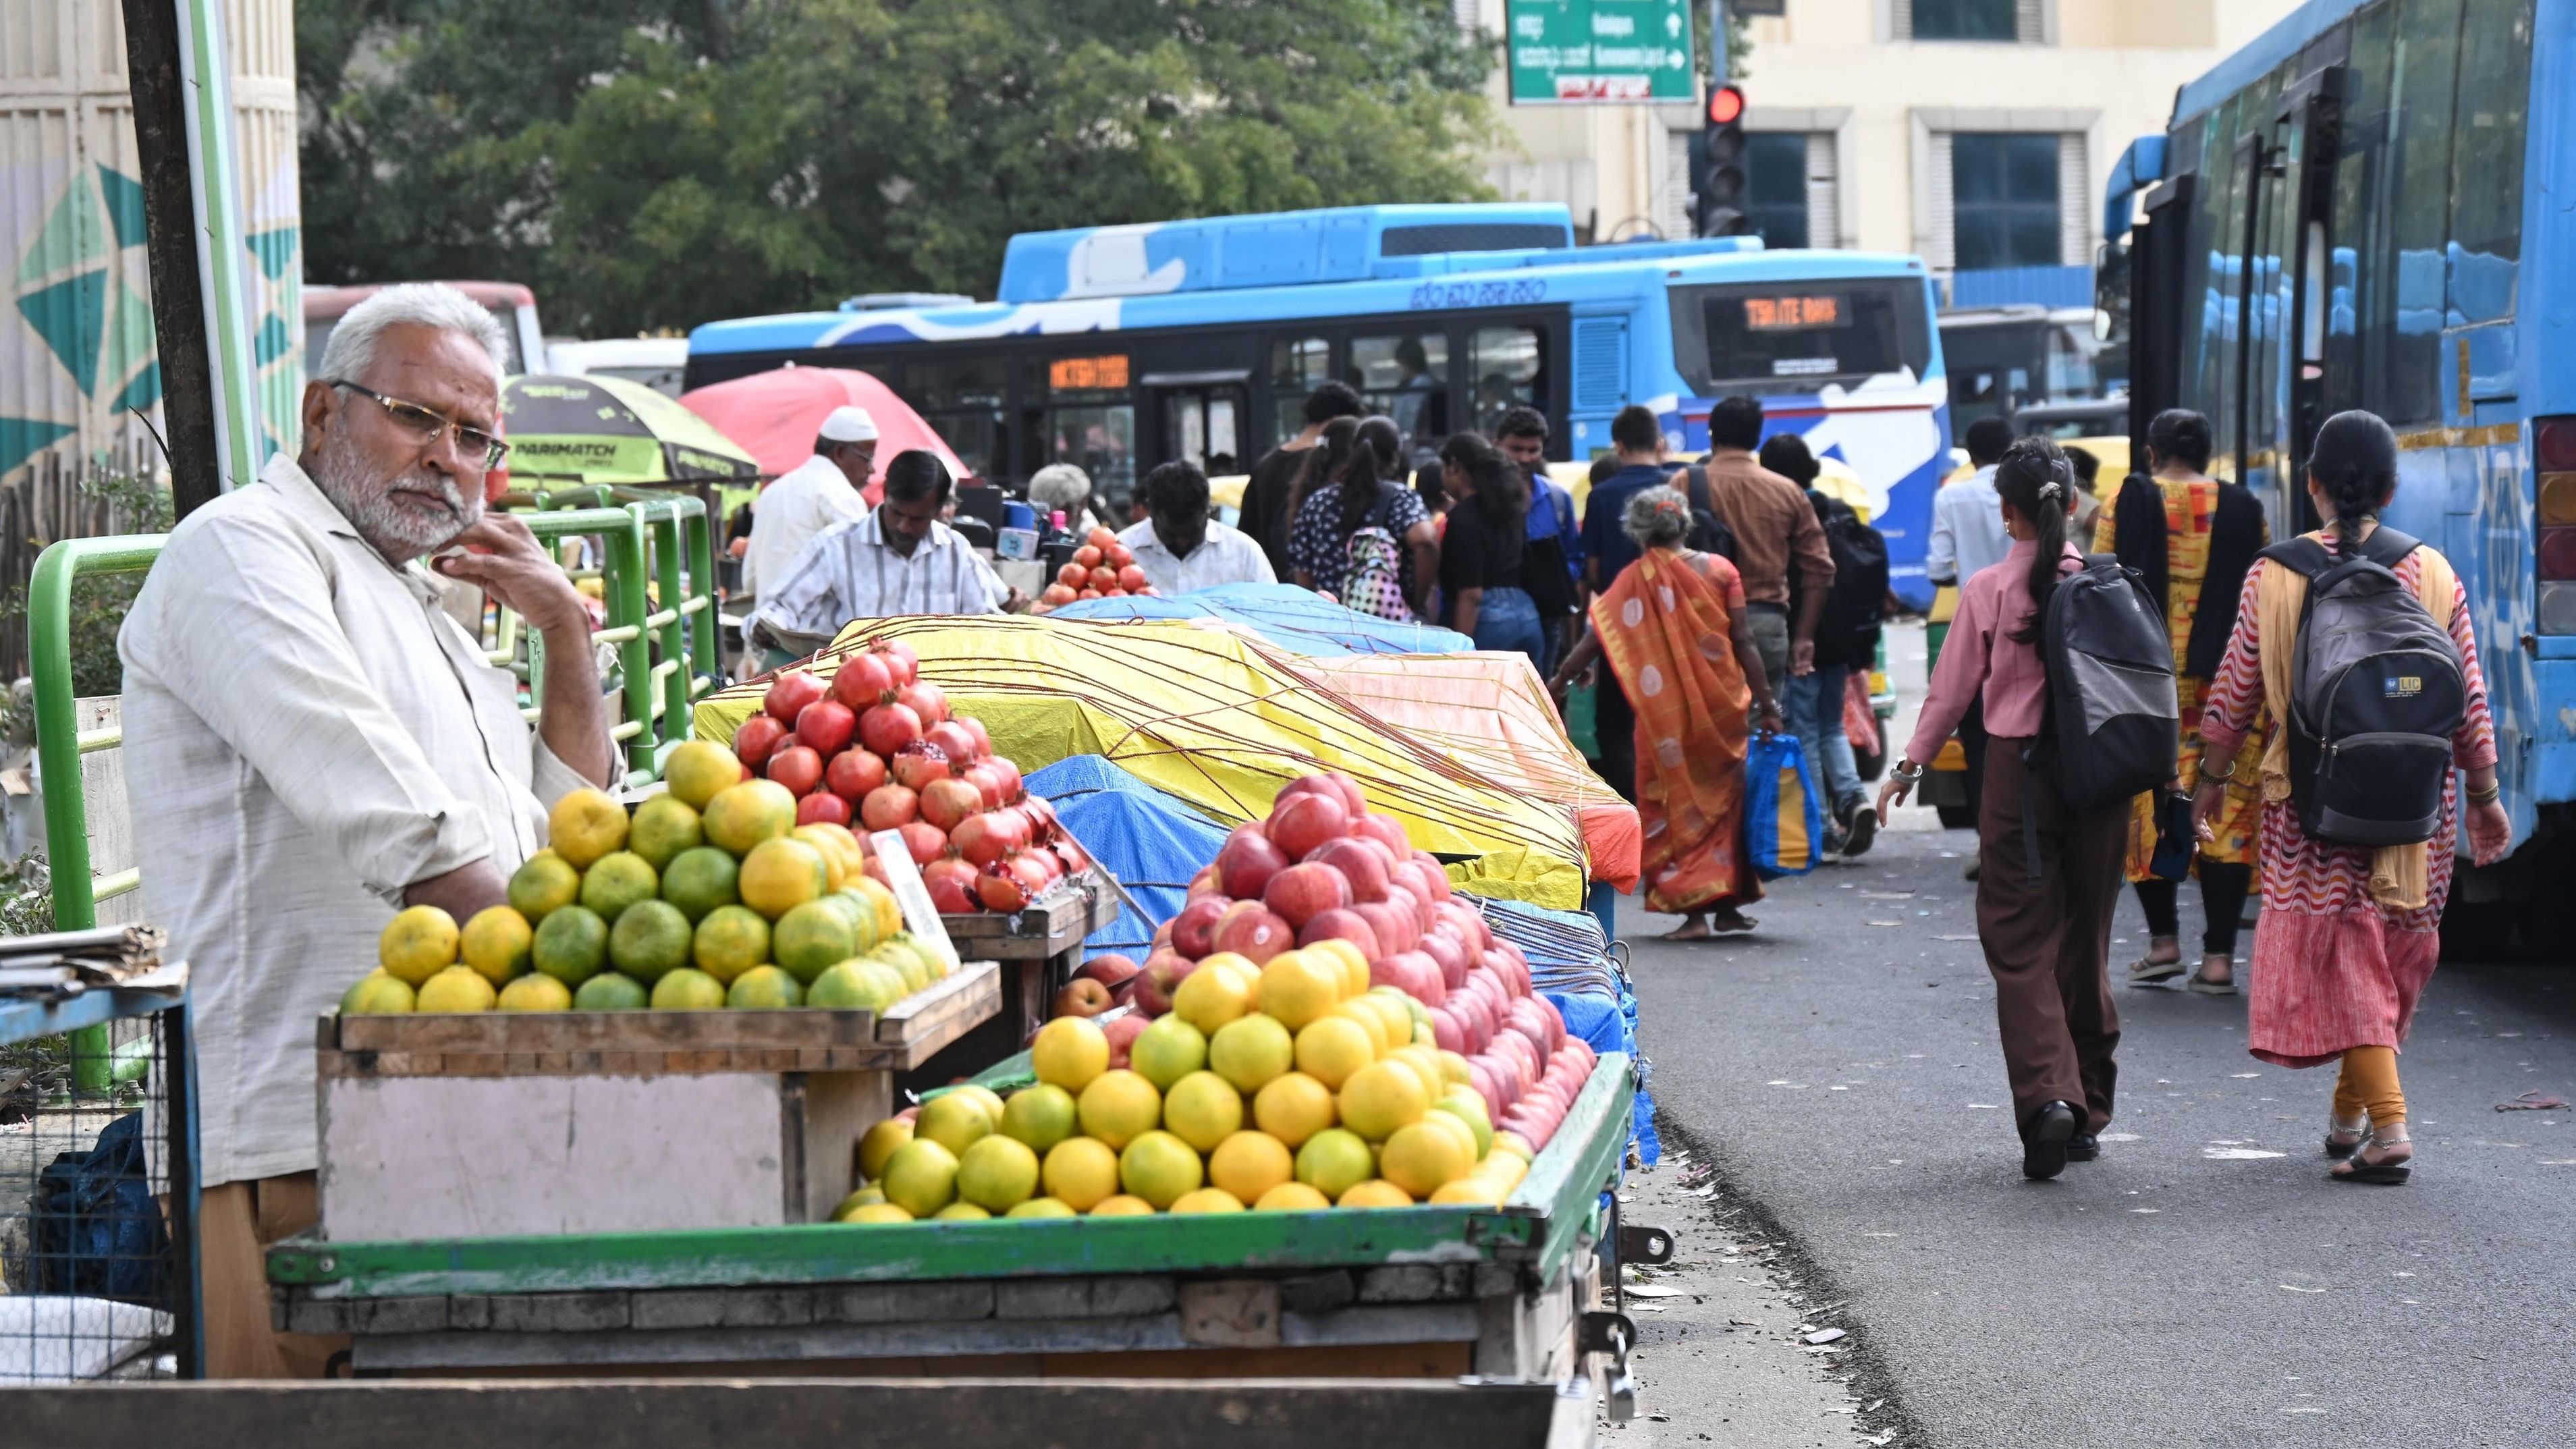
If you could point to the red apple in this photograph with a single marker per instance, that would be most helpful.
(1082, 996)
(759, 738)
(887, 728)
(902, 666)
(1439, 875)
(798, 768)
(1393, 930)
(1446, 1031)
(1352, 800)
(822, 808)
(861, 682)
(1122, 1033)
(789, 693)
(1441, 945)
(955, 741)
(1204, 884)
(1248, 861)
(1109, 970)
(924, 700)
(1385, 830)
(1416, 877)
(1358, 863)
(889, 807)
(1298, 826)
(853, 773)
(1163, 974)
(1253, 932)
(1191, 928)
(946, 802)
(827, 725)
(1340, 925)
(1302, 892)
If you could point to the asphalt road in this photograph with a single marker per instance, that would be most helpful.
(2201, 1284)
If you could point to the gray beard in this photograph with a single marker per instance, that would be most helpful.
(365, 499)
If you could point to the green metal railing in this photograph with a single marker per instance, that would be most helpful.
(661, 537)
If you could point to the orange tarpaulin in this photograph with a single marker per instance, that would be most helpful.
(1491, 713)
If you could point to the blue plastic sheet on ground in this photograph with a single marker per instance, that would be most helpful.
(1149, 841)
(1289, 617)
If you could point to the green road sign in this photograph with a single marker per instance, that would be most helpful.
(1577, 52)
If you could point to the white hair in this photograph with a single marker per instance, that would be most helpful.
(351, 352)
(1060, 485)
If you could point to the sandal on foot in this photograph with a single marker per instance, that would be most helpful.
(2147, 971)
(2342, 1141)
(2359, 1168)
(2206, 987)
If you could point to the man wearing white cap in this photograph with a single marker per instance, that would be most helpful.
(817, 494)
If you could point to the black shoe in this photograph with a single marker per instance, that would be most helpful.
(1860, 830)
(2043, 1147)
(2083, 1147)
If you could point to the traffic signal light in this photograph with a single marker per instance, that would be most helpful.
(1717, 166)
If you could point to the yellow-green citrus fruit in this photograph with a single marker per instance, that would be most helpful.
(584, 826)
(688, 989)
(1169, 1050)
(764, 988)
(1069, 1052)
(418, 943)
(742, 816)
(730, 941)
(496, 942)
(1249, 1164)
(1082, 1172)
(1291, 1197)
(1042, 1207)
(1118, 1106)
(1334, 1161)
(649, 939)
(1040, 1116)
(811, 937)
(921, 1177)
(1250, 1051)
(664, 826)
(545, 884)
(458, 988)
(571, 945)
(698, 770)
(879, 1142)
(611, 991)
(698, 881)
(534, 992)
(997, 1173)
(1202, 1109)
(1159, 1167)
(378, 993)
(954, 1121)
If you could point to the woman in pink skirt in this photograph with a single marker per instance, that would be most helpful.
(2349, 934)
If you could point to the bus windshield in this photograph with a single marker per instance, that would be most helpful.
(1774, 336)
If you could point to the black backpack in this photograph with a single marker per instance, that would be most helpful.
(2377, 690)
(1709, 533)
(2113, 717)
(1848, 632)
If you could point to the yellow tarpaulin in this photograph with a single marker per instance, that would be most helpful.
(1219, 720)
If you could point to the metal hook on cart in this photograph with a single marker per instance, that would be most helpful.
(1613, 1334)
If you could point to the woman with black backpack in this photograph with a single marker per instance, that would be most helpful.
(1365, 538)
(2356, 862)
(2049, 874)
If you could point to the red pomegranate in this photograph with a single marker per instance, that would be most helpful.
(956, 742)
(985, 838)
(827, 725)
(926, 841)
(861, 682)
(945, 803)
(924, 700)
(789, 693)
(952, 885)
(797, 767)
(889, 807)
(759, 737)
(902, 666)
(822, 808)
(853, 773)
(887, 728)
(919, 763)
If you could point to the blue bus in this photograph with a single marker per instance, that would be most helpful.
(1121, 347)
(2366, 207)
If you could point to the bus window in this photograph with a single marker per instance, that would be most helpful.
(2419, 208)
(1298, 365)
(1406, 377)
(962, 399)
(2486, 210)
(1199, 429)
(1505, 363)
(1799, 336)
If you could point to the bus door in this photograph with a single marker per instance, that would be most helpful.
(1202, 417)
(2157, 253)
(2310, 126)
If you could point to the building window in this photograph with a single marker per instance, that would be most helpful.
(2004, 200)
(1775, 190)
(1993, 21)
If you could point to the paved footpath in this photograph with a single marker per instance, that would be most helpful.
(2200, 1285)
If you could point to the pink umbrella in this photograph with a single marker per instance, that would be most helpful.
(775, 415)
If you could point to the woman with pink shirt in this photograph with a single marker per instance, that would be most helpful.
(2044, 914)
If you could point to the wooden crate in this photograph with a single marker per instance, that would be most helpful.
(1039, 949)
(504, 1123)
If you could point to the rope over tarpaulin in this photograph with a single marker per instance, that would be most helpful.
(1219, 720)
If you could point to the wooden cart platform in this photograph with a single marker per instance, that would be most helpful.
(1039, 948)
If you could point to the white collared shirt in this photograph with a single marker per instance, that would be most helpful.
(798, 504)
(1226, 556)
(1967, 529)
(850, 572)
(307, 733)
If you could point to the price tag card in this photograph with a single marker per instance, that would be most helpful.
(919, 915)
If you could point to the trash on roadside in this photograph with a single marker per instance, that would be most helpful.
(1824, 1335)
(2532, 1101)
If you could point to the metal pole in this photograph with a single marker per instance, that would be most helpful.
(205, 74)
(1717, 56)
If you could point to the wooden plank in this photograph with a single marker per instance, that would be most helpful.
(731, 1411)
(608, 1031)
(919, 1026)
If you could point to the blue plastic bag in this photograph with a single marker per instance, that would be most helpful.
(1783, 825)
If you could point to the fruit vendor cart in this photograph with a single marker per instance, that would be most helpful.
(1038, 949)
(1434, 1292)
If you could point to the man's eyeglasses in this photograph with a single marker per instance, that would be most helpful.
(472, 443)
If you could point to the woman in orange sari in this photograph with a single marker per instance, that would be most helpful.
(1673, 628)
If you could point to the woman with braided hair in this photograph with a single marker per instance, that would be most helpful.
(2048, 877)
(2349, 933)
(1673, 628)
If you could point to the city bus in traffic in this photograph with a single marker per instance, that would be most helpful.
(2366, 208)
(1121, 347)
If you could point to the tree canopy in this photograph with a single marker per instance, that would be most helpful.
(656, 163)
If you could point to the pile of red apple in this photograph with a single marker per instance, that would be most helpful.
(878, 749)
(1102, 568)
(1324, 866)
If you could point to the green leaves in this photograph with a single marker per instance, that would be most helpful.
(656, 163)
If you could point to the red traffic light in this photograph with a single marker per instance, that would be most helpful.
(1725, 106)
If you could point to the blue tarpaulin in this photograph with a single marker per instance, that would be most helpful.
(1295, 619)
(1151, 842)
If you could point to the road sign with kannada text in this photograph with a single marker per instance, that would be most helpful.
(1593, 52)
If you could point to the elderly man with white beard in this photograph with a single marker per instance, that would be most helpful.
(311, 743)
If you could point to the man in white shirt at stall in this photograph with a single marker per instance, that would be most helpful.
(899, 559)
(311, 743)
(1180, 546)
(821, 492)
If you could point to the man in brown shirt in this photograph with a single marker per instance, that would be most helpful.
(1775, 531)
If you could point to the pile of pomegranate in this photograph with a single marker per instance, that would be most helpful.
(878, 749)
(1102, 568)
(1324, 866)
